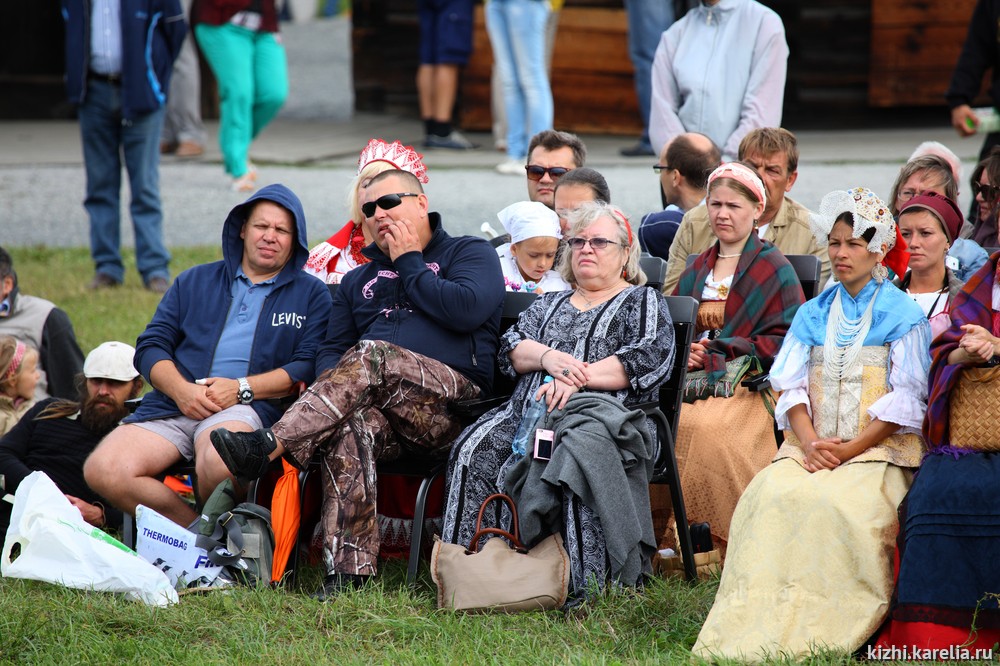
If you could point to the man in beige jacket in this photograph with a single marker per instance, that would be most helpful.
(774, 152)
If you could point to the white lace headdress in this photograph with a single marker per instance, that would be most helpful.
(869, 212)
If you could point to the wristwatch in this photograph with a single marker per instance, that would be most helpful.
(245, 394)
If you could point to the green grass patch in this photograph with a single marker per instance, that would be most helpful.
(383, 623)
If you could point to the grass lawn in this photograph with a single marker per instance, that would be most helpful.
(384, 623)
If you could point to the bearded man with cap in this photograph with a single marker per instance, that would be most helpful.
(56, 435)
(930, 223)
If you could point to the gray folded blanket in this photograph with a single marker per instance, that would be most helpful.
(604, 456)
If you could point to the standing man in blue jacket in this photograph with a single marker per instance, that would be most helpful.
(411, 332)
(119, 56)
(226, 337)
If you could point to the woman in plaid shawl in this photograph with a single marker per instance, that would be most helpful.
(810, 555)
(748, 293)
(948, 553)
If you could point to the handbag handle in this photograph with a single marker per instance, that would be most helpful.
(474, 542)
(515, 533)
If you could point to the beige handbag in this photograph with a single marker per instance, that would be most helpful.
(499, 577)
(974, 410)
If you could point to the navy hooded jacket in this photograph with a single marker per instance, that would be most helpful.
(443, 303)
(189, 321)
(152, 34)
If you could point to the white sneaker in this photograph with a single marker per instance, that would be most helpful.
(511, 168)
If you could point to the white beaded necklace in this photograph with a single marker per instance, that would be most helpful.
(845, 337)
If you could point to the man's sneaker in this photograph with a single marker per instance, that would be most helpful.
(336, 583)
(245, 453)
(454, 141)
(511, 168)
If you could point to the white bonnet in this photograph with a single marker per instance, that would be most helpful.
(529, 219)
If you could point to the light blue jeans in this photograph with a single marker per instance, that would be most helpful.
(106, 137)
(517, 35)
(647, 21)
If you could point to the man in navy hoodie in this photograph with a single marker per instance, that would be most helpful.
(119, 56)
(411, 332)
(226, 337)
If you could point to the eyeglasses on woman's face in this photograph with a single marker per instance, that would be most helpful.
(597, 244)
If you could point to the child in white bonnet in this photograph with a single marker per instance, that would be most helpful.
(534, 240)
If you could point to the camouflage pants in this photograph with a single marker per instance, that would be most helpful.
(380, 401)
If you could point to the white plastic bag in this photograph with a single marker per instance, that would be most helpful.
(58, 546)
(172, 549)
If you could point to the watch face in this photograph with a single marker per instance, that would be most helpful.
(246, 396)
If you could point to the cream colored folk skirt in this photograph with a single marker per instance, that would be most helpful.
(809, 563)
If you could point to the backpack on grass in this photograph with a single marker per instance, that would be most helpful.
(241, 538)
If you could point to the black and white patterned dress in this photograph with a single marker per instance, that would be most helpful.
(635, 326)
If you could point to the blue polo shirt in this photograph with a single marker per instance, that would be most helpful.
(232, 355)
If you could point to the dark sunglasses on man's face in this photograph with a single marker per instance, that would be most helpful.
(989, 192)
(385, 202)
(536, 172)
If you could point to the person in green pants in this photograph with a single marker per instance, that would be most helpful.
(240, 41)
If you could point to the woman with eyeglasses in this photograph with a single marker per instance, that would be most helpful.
(748, 293)
(610, 342)
(981, 228)
(929, 224)
(334, 257)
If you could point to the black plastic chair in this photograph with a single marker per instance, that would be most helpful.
(808, 268)
(666, 414)
(655, 269)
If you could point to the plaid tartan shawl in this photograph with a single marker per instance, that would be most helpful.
(972, 305)
(759, 309)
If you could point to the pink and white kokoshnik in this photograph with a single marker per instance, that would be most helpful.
(402, 157)
(741, 174)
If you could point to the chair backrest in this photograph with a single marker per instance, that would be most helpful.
(683, 310)
(807, 268)
(514, 303)
(655, 269)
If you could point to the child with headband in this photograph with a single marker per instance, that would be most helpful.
(534, 241)
(18, 376)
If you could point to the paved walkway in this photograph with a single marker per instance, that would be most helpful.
(313, 146)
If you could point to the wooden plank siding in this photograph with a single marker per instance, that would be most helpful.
(914, 47)
(592, 85)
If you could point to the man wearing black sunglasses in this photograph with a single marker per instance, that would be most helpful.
(550, 155)
(411, 332)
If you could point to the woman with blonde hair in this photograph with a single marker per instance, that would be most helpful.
(608, 340)
(341, 252)
(748, 294)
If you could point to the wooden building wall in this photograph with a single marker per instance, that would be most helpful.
(849, 59)
(915, 45)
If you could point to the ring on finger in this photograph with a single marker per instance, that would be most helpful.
(565, 372)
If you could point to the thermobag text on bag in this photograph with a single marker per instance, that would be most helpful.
(48, 540)
(172, 549)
